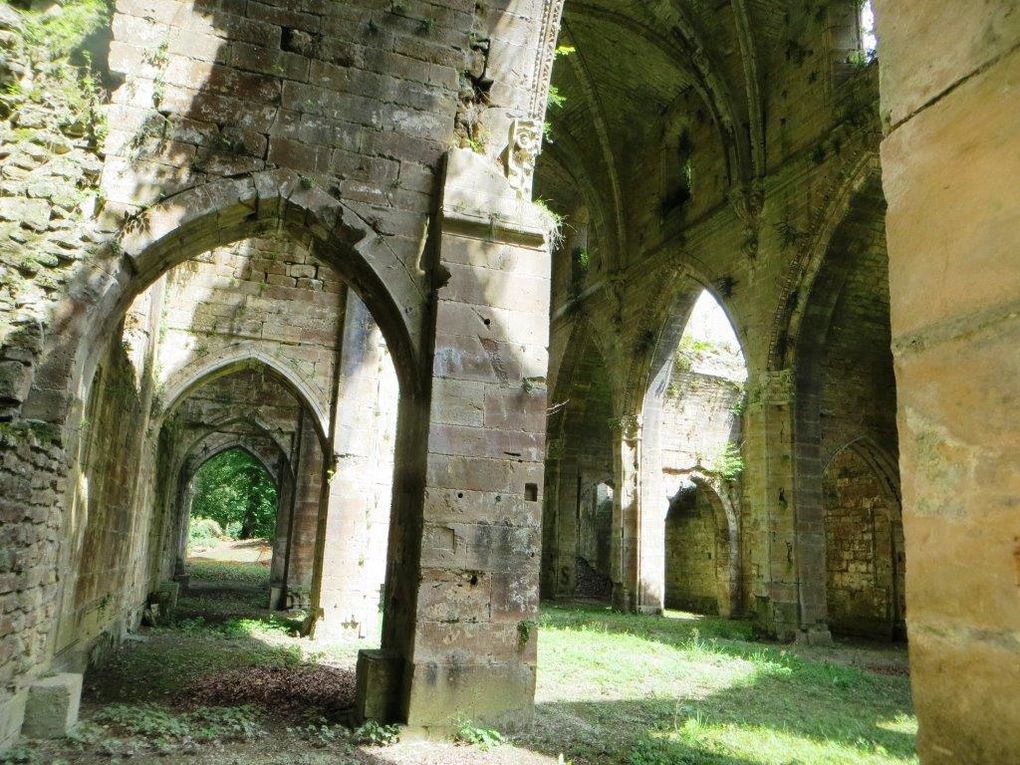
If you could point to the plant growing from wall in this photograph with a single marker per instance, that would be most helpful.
(554, 223)
(728, 464)
(583, 258)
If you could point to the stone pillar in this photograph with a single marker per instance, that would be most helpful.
(625, 549)
(788, 568)
(950, 167)
(653, 505)
(284, 513)
(303, 533)
(474, 640)
(357, 506)
(565, 532)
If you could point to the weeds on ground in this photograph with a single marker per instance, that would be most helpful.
(473, 735)
(129, 730)
(372, 733)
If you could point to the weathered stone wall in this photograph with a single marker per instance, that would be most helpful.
(263, 298)
(692, 554)
(864, 559)
(329, 121)
(31, 468)
(949, 174)
(353, 526)
(235, 121)
(575, 524)
(701, 417)
(105, 567)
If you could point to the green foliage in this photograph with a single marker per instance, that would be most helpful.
(659, 750)
(203, 531)
(739, 406)
(554, 222)
(372, 733)
(163, 727)
(233, 488)
(63, 34)
(484, 738)
(583, 259)
(860, 59)
(555, 99)
(271, 625)
(216, 571)
(729, 463)
(701, 690)
(524, 628)
(19, 755)
(65, 79)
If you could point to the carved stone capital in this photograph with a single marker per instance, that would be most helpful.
(771, 387)
(523, 146)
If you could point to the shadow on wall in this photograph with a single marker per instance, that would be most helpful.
(194, 169)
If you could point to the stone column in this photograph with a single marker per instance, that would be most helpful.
(625, 549)
(353, 531)
(303, 532)
(565, 528)
(788, 572)
(281, 537)
(652, 506)
(950, 168)
(474, 632)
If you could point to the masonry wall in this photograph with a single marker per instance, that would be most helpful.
(107, 560)
(266, 295)
(692, 554)
(50, 165)
(208, 98)
(949, 169)
(577, 525)
(864, 558)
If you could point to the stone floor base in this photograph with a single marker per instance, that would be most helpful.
(52, 708)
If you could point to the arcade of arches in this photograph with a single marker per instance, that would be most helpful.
(752, 353)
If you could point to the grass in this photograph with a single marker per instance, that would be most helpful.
(645, 690)
(229, 572)
(613, 689)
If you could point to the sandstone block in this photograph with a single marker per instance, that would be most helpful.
(52, 709)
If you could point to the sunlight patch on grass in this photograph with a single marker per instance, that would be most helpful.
(772, 746)
(644, 690)
(253, 574)
(900, 724)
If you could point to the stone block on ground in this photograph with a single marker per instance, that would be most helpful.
(52, 709)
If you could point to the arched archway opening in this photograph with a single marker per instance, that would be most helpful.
(701, 552)
(258, 339)
(864, 546)
(232, 518)
(578, 515)
(252, 406)
(692, 459)
(845, 417)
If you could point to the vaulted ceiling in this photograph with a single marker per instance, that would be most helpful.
(636, 63)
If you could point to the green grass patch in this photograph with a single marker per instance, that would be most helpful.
(229, 572)
(648, 690)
